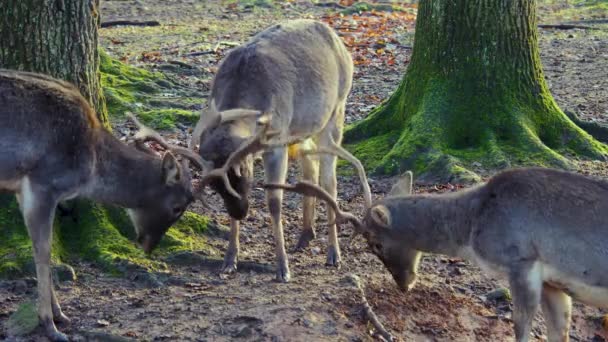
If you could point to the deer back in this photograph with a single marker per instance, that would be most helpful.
(297, 71)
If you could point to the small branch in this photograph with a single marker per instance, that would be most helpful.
(212, 51)
(588, 21)
(369, 313)
(567, 27)
(330, 4)
(129, 23)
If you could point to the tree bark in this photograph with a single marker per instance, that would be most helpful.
(474, 94)
(57, 38)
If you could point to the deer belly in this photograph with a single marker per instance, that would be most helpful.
(575, 287)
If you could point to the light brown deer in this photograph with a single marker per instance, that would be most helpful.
(287, 85)
(544, 229)
(53, 148)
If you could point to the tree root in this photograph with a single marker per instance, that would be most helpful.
(369, 313)
(598, 131)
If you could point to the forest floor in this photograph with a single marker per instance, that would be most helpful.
(453, 300)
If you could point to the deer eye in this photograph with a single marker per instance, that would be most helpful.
(177, 211)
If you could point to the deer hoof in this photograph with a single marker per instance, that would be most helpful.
(333, 257)
(229, 268)
(304, 240)
(61, 318)
(283, 275)
(58, 337)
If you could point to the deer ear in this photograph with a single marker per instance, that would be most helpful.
(404, 185)
(171, 171)
(381, 216)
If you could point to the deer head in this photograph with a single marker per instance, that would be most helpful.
(376, 227)
(227, 141)
(153, 218)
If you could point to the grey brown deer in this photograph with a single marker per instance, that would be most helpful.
(53, 148)
(544, 229)
(287, 85)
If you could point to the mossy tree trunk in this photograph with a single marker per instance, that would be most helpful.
(57, 38)
(474, 93)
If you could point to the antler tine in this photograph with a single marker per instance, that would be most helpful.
(344, 154)
(313, 190)
(146, 133)
(252, 145)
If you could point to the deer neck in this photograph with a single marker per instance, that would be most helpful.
(438, 224)
(122, 174)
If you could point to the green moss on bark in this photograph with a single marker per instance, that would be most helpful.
(91, 232)
(136, 90)
(474, 93)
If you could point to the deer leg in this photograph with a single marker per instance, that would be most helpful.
(332, 135)
(330, 184)
(526, 285)
(557, 308)
(275, 171)
(310, 172)
(232, 254)
(38, 211)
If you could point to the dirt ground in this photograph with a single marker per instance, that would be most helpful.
(453, 300)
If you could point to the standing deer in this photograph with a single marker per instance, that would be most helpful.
(53, 148)
(289, 83)
(544, 229)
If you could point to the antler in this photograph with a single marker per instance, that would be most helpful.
(313, 190)
(214, 118)
(339, 151)
(146, 134)
(252, 145)
(260, 141)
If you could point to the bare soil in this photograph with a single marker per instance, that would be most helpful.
(193, 302)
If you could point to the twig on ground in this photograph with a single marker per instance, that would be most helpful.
(567, 26)
(588, 21)
(182, 64)
(129, 23)
(330, 4)
(369, 313)
(212, 51)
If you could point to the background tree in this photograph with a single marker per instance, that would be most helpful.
(57, 38)
(474, 92)
(60, 38)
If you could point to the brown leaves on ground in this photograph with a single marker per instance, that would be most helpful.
(373, 37)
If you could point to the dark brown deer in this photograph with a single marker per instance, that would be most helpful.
(544, 229)
(291, 81)
(53, 148)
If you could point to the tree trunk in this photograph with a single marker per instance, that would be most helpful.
(474, 96)
(57, 38)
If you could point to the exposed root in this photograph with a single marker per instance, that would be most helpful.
(369, 313)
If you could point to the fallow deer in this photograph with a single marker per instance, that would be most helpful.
(544, 229)
(290, 81)
(53, 148)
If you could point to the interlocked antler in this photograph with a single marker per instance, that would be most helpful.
(147, 134)
(309, 189)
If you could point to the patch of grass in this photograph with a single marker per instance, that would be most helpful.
(24, 320)
(99, 234)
